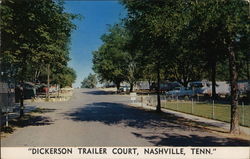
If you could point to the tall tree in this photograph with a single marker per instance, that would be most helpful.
(214, 31)
(110, 60)
(36, 34)
(44, 39)
(225, 25)
(153, 25)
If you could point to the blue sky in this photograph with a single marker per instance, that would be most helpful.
(86, 38)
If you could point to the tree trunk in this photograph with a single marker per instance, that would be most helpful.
(248, 71)
(21, 99)
(117, 86)
(48, 81)
(234, 127)
(158, 108)
(213, 76)
(22, 93)
(149, 83)
(185, 82)
(35, 75)
(131, 87)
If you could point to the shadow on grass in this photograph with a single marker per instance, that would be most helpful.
(163, 128)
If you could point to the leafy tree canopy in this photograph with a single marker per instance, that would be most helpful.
(34, 34)
(89, 82)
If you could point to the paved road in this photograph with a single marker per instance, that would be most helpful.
(95, 118)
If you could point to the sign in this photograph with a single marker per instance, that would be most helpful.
(125, 152)
(133, 97)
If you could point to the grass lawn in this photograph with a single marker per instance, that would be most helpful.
(221, 112)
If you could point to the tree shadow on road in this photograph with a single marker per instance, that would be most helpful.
(172, 139)
(43, 110)
(99, 92)
(33, 118)
(114, 113)
(161, 127)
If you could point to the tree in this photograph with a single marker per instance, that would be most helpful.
(177, 34)
(110, 60)
(148, 75)
(134, 63)
(43, 40)
(228, 20)
(36, 34)
(89, 82)
(66, 76)
(153, 25)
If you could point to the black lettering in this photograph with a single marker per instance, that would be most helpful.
(34, 151)
(200, 151)
(125, 151)
(53, 151)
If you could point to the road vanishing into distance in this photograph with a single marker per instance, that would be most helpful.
(94, 117)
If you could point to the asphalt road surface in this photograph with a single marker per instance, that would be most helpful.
(96, 118)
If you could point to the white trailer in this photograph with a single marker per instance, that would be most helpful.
(205, 87)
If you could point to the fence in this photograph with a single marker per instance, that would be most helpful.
(217, 110)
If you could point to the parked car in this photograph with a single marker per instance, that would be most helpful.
(166, 86)
(243, 86)
(173, 85)
(181, 92)
(124, 88)
(42, 88)
(222, 88)
(200, 87)
(205, 87)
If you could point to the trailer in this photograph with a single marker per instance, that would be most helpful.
(7, 100)
(205, 87)
(7, 97)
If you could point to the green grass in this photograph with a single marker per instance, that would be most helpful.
(222, 112)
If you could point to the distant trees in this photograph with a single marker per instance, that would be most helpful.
(35, 35)
(66, 76)
(89, 82)
(116, 60)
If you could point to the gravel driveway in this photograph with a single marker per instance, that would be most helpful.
(96, 118)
